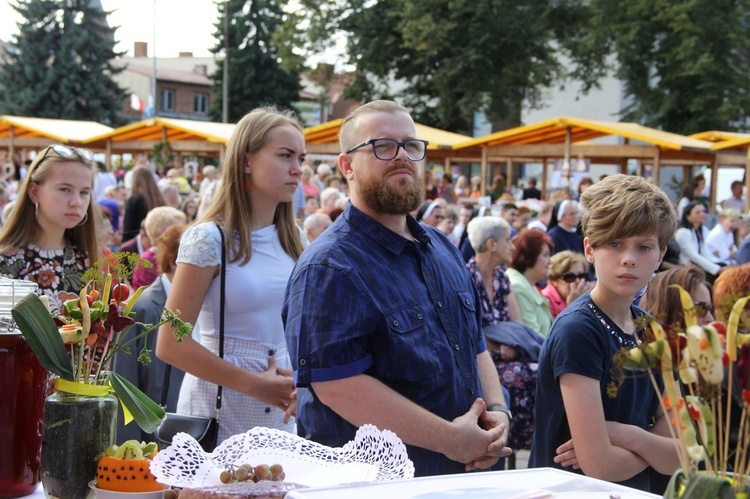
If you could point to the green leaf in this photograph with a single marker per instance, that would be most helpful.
(147, 413)
(699, 486)
(33, 320)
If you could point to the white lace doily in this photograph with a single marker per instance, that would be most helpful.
(372, 455)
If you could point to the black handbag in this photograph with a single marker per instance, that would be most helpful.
(203, 429)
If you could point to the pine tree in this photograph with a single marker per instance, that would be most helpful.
(255, 74)
(59, 65)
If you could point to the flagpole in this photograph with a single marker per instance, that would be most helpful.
(153, 69)
(225, 77)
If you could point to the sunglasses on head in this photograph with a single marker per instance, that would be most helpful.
(702, 308)
(68, 152)
(571, 277)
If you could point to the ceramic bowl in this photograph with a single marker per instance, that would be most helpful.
(113, 494)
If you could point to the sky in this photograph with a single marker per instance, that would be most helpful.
(182, 26)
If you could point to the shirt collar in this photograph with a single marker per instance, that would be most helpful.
(382, 235)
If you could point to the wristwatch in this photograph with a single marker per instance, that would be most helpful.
(501, 408)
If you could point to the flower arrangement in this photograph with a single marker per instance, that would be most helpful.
(699, 365)
(79, 344)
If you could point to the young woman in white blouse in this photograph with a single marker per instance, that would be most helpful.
(260, 174)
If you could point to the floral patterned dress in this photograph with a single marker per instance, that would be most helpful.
(57, 272)
(519, 378)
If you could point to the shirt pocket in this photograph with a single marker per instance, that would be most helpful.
(468, 316)
(412, 346)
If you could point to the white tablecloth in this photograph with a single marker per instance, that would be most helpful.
(540, 483)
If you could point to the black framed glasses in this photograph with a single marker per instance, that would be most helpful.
(68, 152)
(387, 149)
(702, 308)
(571, 277)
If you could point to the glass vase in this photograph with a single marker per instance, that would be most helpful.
(22, 392)
(77, 429)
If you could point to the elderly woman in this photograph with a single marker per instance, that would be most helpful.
(530, 265)
(490, 237)
(567, 280)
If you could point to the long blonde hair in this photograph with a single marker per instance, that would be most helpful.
(22, 225)
(233, 207)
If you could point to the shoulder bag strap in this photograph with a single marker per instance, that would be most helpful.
(221, 312)
(168, 369)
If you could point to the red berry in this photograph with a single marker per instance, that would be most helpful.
(694, 413)
(120, 292)
(720, 327)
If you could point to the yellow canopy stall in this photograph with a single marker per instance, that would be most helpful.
(201, 138)
(17, 132)
(566, 137)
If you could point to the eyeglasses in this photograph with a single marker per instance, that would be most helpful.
(387, 149)
(702, 308)
(68, 152)
(571, 277)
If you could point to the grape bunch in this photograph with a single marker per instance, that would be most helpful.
(246, 473)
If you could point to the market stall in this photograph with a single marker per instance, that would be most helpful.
(565, 138)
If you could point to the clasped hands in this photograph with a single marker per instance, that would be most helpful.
(480, 437)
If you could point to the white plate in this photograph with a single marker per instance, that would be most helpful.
(113, 494)
(372, 455)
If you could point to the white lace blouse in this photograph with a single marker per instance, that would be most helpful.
(254, 292)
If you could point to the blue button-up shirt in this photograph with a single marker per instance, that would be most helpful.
(365, 300)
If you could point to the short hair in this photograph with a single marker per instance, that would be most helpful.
(532, 181)
(329, 193)
(509, 206)
(731, 285)
(450, 214)
(482, 229)
(528, 246)
(584, 181)
(561, 262)
(663, 302)
(308, 170)
(168, 245)
(377, 106)
(209, 169)
(161, 217)
(324, 169)
(729, 213)
(332, 179)
(624, 206)
(317, 221)
(735, 183)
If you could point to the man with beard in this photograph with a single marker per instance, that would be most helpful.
(382, 319)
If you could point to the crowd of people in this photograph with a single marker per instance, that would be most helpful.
(327, 297)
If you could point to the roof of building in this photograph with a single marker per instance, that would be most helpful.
(163, 74)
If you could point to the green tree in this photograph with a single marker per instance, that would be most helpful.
(457, 57)
(258, 75)
(684, 64)
(59, 66)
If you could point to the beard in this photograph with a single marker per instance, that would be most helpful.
(385, 199)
